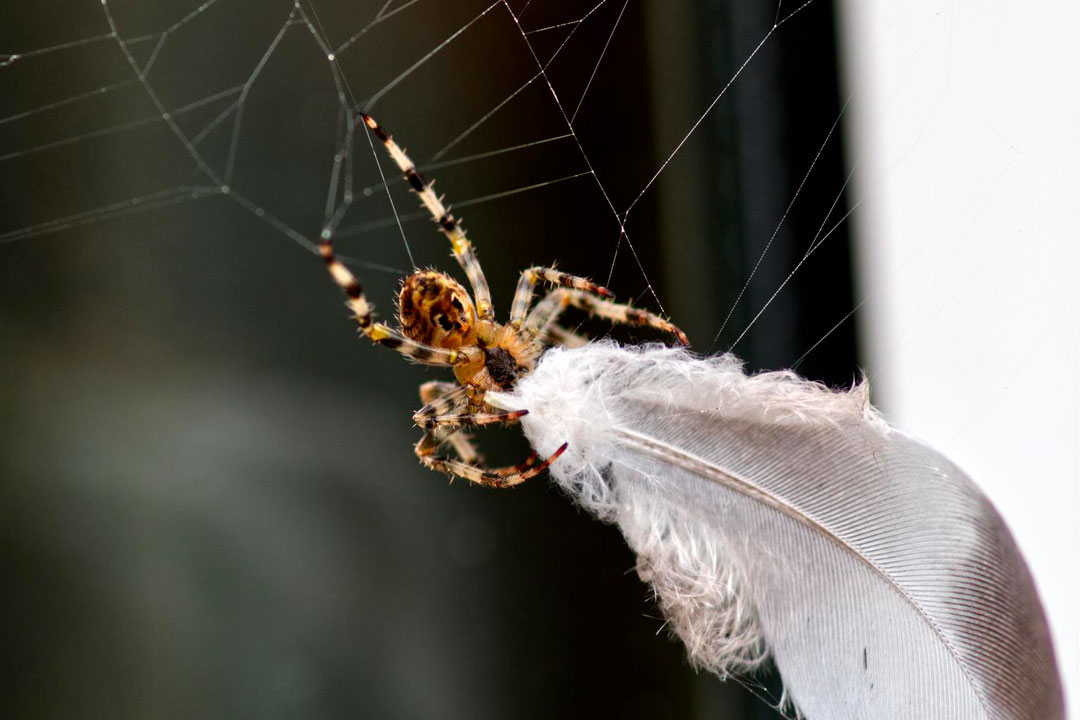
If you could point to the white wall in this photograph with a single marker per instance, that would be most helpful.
(966, 129)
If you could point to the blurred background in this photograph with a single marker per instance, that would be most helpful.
(210, 505)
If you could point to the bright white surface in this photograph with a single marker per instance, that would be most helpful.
(965, 126)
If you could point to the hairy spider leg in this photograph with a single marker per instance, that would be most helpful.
(378, 332)
(441, 397)
(469, 419)
(432, 440)
(451, 226)
(447, 395)
(548, 310)
(499, 477)
(558, 335)
(452, 410)
(529, 279)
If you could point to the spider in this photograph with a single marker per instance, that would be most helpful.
(440, 324)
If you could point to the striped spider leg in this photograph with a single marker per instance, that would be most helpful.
(445, 415)
(543, 317)
(504, 477)
(450, 226)
(444, 398)
(557, 335)
(529, 279)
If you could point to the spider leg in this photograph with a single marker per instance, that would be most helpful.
(548, 310)
(451, 226)
(498, 477)
(442, 398)
(558, 335)
(378, 332)
(434, 439)
(545, 313)
(464, 448)
(445, 428)
(469, 419)
(529, 279)
(455, 408)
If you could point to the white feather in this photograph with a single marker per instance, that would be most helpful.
(774, 516)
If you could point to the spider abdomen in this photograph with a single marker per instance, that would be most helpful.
(435, 310)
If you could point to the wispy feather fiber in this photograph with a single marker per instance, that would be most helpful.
(774, 516)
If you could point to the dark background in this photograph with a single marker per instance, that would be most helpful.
(210, 506)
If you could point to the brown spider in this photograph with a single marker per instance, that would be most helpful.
(440, 324)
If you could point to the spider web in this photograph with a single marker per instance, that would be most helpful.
(221, 137)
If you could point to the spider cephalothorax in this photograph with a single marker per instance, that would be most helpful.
(441, 324)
